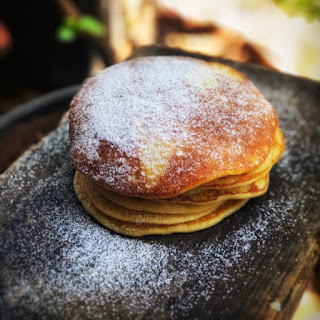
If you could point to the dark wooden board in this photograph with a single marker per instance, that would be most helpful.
(58, 263)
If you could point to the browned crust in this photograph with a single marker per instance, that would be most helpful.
(181, 175)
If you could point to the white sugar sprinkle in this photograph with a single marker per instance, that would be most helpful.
(150, 108)
(57, 262)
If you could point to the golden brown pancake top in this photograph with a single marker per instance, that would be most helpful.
(156, 127)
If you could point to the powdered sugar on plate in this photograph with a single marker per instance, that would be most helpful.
(58, 263)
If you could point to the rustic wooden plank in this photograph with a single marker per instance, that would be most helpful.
(57, 262)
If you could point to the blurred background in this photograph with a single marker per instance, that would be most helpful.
(46, 45)
(55, 44)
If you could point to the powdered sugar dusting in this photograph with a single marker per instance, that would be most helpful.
(58, 263)
(151, 109)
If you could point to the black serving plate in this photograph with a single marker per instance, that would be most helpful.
(48, 103)
(59, 263)
(26, 124)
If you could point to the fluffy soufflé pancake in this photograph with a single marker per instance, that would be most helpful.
(178, 141)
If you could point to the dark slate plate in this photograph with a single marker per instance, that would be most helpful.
(59, 263)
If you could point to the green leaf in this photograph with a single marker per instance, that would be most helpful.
(66, 34)
(90, 25)
(310, 9)
(70, 21)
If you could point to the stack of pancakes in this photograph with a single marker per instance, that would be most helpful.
(170, 144)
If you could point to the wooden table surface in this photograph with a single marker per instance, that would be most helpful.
(56, 262)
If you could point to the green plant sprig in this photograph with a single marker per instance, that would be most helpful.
(72, 27)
